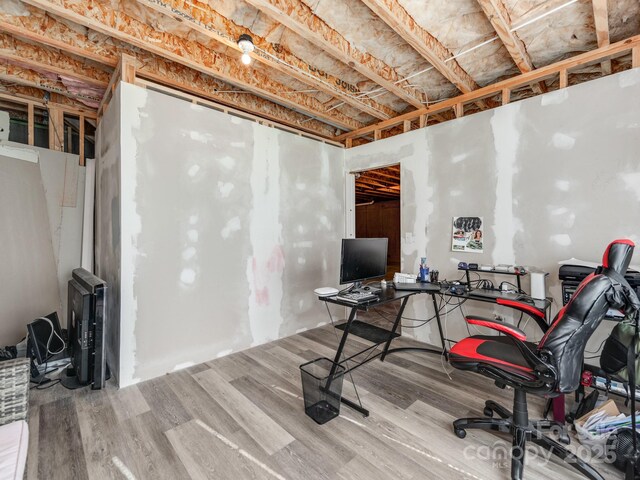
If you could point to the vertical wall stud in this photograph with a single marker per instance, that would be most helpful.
(81, 141)
(506, 96)
(31, 125)
(56, 129)
(564, 78)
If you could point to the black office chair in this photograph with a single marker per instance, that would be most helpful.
(550, 368)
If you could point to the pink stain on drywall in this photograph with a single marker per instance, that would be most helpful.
(262, 297)
(264, 273)
(275, 264)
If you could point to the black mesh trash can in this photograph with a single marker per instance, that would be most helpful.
(321, 389)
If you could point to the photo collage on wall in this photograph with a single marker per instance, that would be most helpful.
(467, 234)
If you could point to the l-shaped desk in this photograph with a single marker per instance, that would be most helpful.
(537, 309)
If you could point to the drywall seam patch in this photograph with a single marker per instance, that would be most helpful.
(554, 98)
(563, 141)
(132, 101)
(506, 135)
(631, 182)
(265, 267)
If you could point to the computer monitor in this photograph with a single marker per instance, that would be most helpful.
(363, 259)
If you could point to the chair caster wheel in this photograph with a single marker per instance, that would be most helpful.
(460, 433)
(564, 438)
(488, 412)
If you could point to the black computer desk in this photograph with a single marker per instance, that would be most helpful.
(537, 309)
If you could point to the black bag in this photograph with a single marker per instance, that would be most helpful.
(8, 353)
(613, 358)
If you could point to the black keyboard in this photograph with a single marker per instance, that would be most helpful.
(357, 297)
(479, 292)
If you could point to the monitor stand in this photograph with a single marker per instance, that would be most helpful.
(358, 287)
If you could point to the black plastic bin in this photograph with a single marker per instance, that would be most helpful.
(322, 389)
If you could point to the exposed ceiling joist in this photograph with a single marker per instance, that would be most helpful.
(498, 15)
(43, 29)
(43, 59)
(30, 78)
(380, 173)
(110, 20)
(11, 90)
(202, 17)
(394, 15)
(631, 44)
(298, 17)
(601, 19)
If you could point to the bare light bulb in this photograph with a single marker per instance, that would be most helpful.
(246, 58)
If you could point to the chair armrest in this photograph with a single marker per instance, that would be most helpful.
(497, 325)
(14, 390)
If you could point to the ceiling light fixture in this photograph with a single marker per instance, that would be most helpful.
(245, 42)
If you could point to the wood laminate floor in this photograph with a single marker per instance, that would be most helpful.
(242, 417)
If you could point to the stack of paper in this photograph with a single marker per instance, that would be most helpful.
(601, 422)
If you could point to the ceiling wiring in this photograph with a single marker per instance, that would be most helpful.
(475, 47)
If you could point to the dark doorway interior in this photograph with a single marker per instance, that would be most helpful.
(378, 210)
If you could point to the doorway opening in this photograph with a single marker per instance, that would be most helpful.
(377, 212)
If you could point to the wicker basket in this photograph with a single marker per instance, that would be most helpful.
(14, 390)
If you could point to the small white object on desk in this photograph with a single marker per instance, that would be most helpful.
(404, 278)
(326, 291)
(538, 284)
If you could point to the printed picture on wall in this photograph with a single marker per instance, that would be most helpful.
(467, 234)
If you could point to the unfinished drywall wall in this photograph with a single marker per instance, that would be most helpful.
(37, 180)
(554, 177)
(107, 223)
(29, 281)
(64, 183)
(226, 228)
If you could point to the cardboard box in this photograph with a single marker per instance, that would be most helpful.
(609, 407)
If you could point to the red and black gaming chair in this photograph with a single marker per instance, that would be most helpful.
(550, 368)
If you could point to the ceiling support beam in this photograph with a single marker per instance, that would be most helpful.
(394, 15)
(112, 21)
(202, 18)
(499, 17)
(36, 57)
(43, 29)
(298, 17)
(601, 19)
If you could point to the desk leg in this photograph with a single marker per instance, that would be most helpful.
(336, 361)
(343, 340)
(442, 339)
(395, 327)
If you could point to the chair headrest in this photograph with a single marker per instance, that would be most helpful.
(618, 254)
